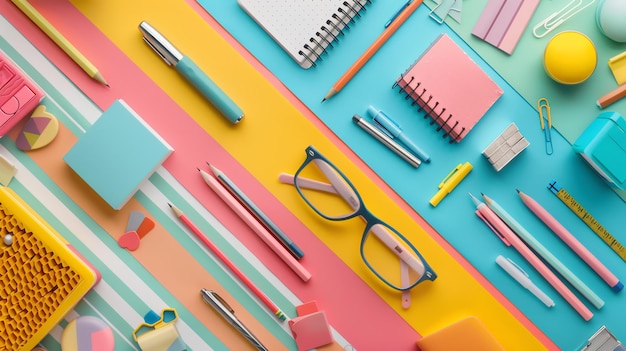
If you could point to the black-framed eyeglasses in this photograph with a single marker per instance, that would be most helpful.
(385, 251)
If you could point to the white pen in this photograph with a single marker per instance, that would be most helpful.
(522, 277)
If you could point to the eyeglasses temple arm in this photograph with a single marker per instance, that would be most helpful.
(345, 191)
(380, 232)
(307, 183)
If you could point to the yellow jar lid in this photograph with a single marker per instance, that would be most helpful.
(570, 57)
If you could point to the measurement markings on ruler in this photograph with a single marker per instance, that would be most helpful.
(588, 219)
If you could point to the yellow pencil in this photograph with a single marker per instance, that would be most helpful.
(59, 39)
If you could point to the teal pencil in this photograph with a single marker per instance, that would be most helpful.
(544, 253)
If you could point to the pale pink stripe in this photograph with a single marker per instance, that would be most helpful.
(517, 27)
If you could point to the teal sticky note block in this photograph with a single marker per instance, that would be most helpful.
(117, 153)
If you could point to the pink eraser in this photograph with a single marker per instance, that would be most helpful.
(310, 329)
(307, 308)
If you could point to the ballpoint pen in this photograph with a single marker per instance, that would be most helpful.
(544, 253)
(451, 181)
(60, 40)
(257, 212)
(228, 263)
(224, 309)
(386, 140)
(395, 15)
(254, 224)
(509, 238)
(393, 130)
(522, 277)
(192, 73)
(572, 242)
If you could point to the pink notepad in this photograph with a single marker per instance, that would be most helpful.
(451, 88)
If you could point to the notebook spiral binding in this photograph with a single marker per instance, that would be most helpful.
(427, 103)
(332, 30)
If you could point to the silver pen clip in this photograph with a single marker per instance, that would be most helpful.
(214, 299)
(160, 44)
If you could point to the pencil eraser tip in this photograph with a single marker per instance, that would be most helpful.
(618, 287)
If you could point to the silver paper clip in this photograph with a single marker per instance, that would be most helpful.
(544, 113)
(557, 18)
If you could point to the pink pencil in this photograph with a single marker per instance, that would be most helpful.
(511, 239)
(255, 225)
(572, 242)
(242, 277)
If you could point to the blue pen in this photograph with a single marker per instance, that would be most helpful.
(398, 13)
(393, 130)
(192, 73)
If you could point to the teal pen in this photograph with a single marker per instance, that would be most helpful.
(544, 253)
(191, 72)
(388, 126)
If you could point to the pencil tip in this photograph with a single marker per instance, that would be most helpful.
(518, 191)
(169, 204)
(324, 99)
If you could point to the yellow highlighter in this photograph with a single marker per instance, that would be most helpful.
(450, 182)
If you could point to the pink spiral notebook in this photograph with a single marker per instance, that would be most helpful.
(450, 88)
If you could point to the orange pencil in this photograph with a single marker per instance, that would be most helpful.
(356, 66)
(612, 96)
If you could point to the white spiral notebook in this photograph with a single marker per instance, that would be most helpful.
(305, 29)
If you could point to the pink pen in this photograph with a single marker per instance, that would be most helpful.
(510, 239)
(572, 242)
(256, 226)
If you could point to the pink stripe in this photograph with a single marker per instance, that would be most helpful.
(345, 312)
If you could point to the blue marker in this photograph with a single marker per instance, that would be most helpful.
(393, 130)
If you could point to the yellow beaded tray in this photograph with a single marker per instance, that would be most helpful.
(41, 277)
